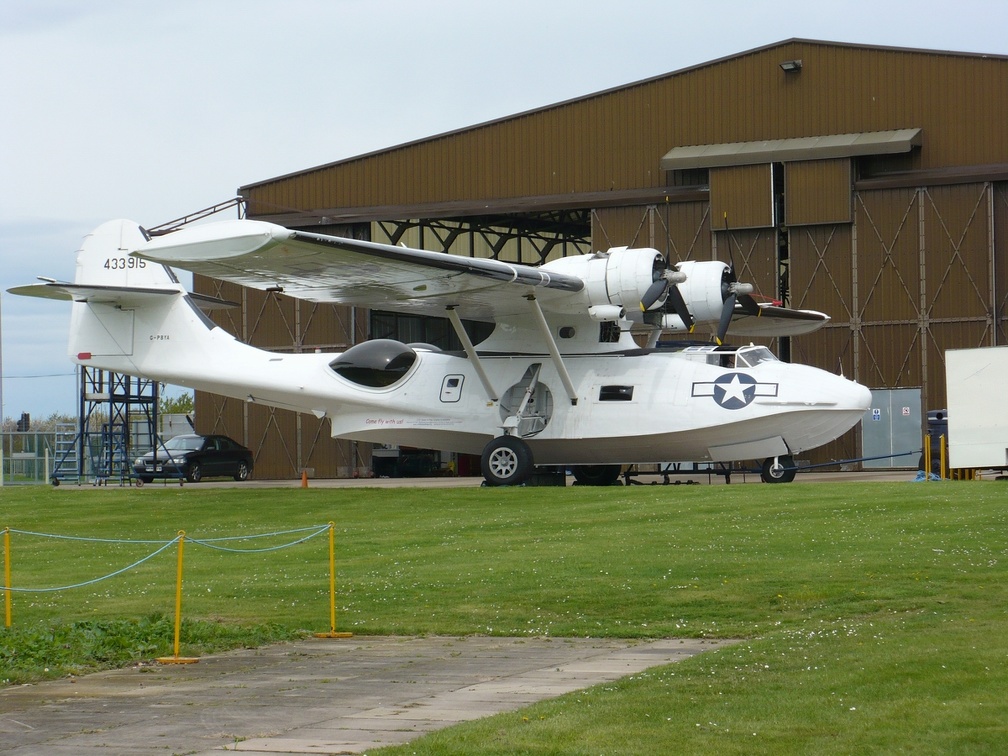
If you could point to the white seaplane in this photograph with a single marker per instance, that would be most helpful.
(559, 381)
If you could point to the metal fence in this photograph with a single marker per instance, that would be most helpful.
(27, 458)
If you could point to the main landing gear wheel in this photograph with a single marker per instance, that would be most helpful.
(596, 475)
(778, 469)
(506, 461)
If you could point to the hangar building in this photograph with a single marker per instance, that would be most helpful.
(870, 183)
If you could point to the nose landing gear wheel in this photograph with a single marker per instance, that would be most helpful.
(506, 461)
(778, 469)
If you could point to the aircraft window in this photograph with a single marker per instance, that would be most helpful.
(755, 355)
(376, 363)
(721, 359)
(616, 394)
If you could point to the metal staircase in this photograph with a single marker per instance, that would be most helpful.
(111, 460)
(66, 464)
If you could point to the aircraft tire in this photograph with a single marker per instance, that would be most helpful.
(786, 475)
(506, 461)
(596, 475)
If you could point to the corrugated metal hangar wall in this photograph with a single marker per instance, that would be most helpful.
(870, 183)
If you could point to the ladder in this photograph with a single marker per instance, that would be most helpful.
(112, 460)
(66, 465)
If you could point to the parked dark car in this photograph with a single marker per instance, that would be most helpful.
(193, 457)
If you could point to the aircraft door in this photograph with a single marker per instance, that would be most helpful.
(451, 388)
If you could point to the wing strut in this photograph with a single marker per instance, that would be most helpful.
(558, 362)
(470, 351)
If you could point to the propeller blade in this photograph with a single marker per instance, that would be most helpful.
(749, 305)
(726, 315)
(675, 297)
(653, 294)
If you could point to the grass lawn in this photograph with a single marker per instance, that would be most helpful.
(873, 616)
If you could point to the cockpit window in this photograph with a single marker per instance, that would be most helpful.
(721, 359)
(376, 363)
(753, 356)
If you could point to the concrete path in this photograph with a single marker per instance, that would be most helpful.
(314, 696)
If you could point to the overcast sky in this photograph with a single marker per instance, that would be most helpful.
(152, 110)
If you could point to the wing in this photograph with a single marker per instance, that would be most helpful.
(772, 320)
(323, 268)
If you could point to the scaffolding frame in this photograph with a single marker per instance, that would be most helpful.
(117, 421)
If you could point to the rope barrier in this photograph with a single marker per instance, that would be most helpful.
(306, 534)
(93, 580)
(79, 538)
(313, 531)
(210, 543)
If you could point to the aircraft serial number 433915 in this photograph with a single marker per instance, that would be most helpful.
(559, 381)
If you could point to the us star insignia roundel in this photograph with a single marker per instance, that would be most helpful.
(734, 391)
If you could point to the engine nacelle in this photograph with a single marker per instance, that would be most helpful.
(615, 281)
(703, 290)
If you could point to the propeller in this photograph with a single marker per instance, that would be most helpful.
(733, 292)
(675, 298)
(663, 281)
(653, 293)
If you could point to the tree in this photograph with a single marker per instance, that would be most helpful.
(176, 405)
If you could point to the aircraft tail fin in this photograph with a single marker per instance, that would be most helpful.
(124, 307)
(105, 271)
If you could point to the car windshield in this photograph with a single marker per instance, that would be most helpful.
(185, 443)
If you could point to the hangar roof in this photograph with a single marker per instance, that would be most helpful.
(607, 148)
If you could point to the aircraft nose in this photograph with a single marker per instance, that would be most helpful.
(859, 396)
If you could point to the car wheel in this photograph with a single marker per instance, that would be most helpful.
(195, 473)
(783, 472)
(506, 461)
(243, 471)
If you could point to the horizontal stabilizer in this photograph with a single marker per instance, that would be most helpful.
(119, 295)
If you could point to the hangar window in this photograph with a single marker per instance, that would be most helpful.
(691, 177)
(375, 364)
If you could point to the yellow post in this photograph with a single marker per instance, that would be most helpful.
(332, 589)
(7, 578)
(927, 456)
(941, 453)
(176, 659)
